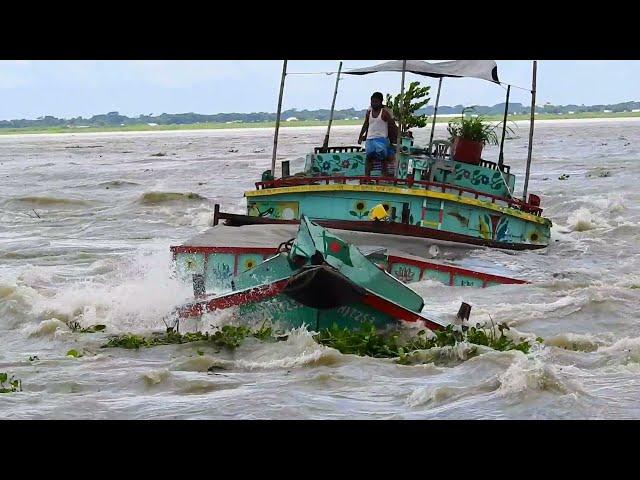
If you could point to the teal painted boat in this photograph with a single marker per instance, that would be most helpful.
(315, 279)
(433, 193)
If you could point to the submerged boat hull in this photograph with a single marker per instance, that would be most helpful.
(222, 253)
(319, 280)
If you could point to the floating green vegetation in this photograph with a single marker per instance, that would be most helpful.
(366, 341)
(564, 176)
(9, 384)
(74, 353)
(229, 336)
(75, 327)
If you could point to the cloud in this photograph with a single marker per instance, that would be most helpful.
(183, 73)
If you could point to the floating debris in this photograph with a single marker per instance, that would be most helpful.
(233, 150)
(258, 150)
(14, 384)
(85, 146)
(159, 154)
(564, 176)
(599, 172)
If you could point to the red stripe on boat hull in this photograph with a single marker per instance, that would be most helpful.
(234, 299)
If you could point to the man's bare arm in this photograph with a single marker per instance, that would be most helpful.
(364, 130)
(389, 119)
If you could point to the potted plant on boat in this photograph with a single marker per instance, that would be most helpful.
(468, 137)
(414, 99)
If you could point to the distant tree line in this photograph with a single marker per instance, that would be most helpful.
(115, 119)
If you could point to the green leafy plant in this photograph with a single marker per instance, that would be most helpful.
(474, 128)
(74, 353)
(93, 329)
(9, 384)
(230, 336)
(75, 327)
(414, 98)
(367, 340)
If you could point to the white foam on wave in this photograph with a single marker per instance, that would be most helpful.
(533, 374)
(135, 297)
(300, 349)
(584, 219)
(624, 351)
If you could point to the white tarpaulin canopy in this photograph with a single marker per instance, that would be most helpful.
(483, 69)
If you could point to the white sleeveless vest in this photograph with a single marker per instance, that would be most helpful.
(378, 128)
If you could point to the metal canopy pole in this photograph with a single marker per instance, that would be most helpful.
(533, 109)
(275, 136)
(399, 141)
(333, 104)
(504, 128)
(435, 114)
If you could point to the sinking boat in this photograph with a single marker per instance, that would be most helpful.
(436, 191)
(313, 276)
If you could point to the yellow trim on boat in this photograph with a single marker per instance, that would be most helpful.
(424, 223)
(399, 191)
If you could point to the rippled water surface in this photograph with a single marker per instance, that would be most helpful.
(86, 222)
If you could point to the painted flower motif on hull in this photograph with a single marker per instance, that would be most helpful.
(360, 209)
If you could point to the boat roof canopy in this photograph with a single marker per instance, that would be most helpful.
(482, 69)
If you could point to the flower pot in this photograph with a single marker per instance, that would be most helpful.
(467, 151)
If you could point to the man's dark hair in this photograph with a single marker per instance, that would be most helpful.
(377, 95)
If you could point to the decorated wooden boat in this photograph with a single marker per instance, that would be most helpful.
(434, 193)
(315, 279)
(314, 276)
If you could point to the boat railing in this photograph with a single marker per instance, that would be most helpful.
(341, 149)
(494, 166)
(402, 182)
(409, 151)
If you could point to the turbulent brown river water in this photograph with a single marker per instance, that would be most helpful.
(86, 222)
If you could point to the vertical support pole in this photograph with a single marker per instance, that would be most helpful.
(399, 141)
(216, 212)
(533, 110)
(435, 114)
(325, 144)
(275, 136)
(504, 128)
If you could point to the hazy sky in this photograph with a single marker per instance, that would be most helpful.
(29, 89)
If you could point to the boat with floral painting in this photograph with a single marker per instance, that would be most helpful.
(331, 244)
(443, 192)
(315, 278)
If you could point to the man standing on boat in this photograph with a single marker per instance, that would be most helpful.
(378, 124)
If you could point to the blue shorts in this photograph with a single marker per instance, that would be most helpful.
(379, 148)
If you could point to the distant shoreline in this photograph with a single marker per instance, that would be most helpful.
(518, 119)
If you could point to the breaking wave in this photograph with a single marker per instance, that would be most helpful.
(534, 375)
(49, 201)
(118, 183)
(583, 219)
(154, 198)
